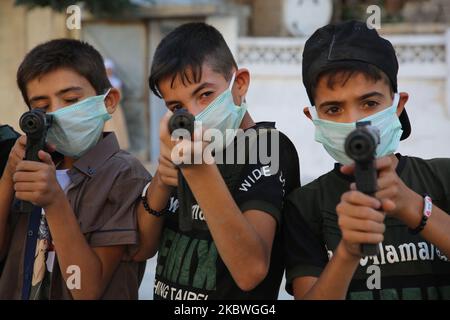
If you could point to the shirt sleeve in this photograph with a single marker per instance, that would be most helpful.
(260, 189)
(5, 149)
(121, 226)
(264, 186)
(305, 253)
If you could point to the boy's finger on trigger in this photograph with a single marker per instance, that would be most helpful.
(366, 214)
(45, 157)
(164, 125)
(388, 205)
(50, 147)
(19, 153)
(364, 237)
(363, 225)
(385, 181)
(27, 166)
(169, 169)
(169, 180)
(348, 169)
(22, 141)
(25, 187)
(173, 182)
(383, 163)
(25, 176)
(361, 199)
(165, 162)
(23, 195)
(387, 193)
(165, 152)
(362, 213)
(165, 119)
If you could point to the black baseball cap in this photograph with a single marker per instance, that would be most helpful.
(351, 41)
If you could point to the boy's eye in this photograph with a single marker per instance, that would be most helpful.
(71, 100)
(370, 104)
(43, 108)
(332, 110)
(175, 107)
(206, 94)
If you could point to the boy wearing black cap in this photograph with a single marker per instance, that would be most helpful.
(350, 74)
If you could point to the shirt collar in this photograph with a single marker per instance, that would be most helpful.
(350, 178)
(90, 162)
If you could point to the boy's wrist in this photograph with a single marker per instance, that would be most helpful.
(198, 171)
(58, 201)
(412, 213)
(159, 184)
(345, 253)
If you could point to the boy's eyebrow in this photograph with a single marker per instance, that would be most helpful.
(202, 86)
(65, 90)
(327, 103)
(363, 97)
(60, 92)
(37, 98)
(371, 94)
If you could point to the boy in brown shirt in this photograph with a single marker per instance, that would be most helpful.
(77, 241)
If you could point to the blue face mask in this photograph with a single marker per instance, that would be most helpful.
(332, 134)
(77, 128)
(223, 114)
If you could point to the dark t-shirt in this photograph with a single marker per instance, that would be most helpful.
(189, 265)
(8, 138)
(409, 266)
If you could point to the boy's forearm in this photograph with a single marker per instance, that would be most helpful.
(72, 249)
(335, 279)
(437, 229)
(239, 245)
(149, 225)
(6, 198)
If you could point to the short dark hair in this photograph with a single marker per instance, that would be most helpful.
(76, 55)
(190, 46)
(341, 72)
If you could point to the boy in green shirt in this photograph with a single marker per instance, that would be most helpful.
(350, 74)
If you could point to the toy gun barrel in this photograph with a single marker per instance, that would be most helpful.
(360, 146)
(34, 124)
(182, 119)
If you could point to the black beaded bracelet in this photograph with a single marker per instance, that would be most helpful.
(420, 227)
(147, 206)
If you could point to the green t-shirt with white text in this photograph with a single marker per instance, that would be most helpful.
(407, 267)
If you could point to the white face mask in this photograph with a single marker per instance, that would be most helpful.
(223, 114)
(332, 134)
(77, 128)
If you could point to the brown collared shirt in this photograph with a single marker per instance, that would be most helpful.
(106, 184)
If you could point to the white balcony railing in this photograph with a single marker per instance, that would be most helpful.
(420, 57)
